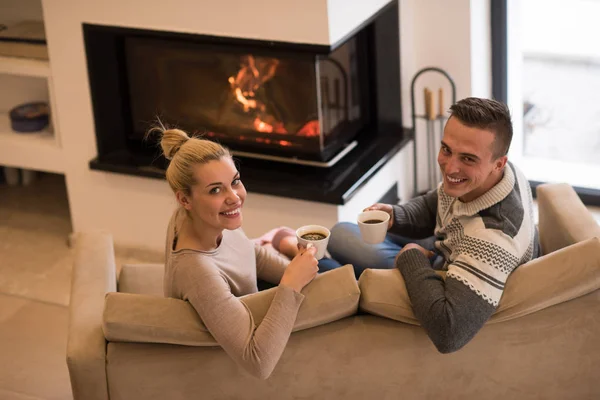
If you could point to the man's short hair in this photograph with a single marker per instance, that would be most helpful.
(486, 114)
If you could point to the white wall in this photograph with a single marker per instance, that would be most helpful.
(136, 210)
(345, 15)
(454, 36)
(299, 21)
(12, 11)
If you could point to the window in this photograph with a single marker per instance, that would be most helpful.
(547, 68)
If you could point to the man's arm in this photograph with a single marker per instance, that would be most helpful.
(416, 219)
(449, 311)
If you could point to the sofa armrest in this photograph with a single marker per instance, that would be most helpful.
(563, 218)
(94, 275)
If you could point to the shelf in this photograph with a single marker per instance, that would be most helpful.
(24, 67)
(37, 151)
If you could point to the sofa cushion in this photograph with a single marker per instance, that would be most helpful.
(130, 317)
(141, 279)
(552, 279)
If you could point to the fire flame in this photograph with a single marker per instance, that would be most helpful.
(311, 128)
(246, 84)
(262, 126)
(254, 72)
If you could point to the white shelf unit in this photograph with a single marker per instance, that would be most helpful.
(24, 67)
(37, 151)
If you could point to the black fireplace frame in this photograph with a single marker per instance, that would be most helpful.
(109, 88)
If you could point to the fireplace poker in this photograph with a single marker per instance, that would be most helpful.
(430, 118)
(430, 132)
(441, 120)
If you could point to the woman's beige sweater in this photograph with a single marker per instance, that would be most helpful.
(213, 281)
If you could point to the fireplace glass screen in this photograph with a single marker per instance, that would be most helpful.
(288, 104)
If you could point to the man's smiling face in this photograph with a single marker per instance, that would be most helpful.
(466, 160)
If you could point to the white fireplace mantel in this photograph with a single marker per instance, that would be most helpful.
(135, 210)
(321, 22)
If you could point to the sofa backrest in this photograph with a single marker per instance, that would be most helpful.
(554, 278)
(145, 318)
(563, 218)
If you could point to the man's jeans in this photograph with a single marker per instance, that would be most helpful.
(347, 247)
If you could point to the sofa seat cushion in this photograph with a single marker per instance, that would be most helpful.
(552, 279)
(142, 279)
(130, 317)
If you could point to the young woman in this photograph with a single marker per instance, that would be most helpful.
(211, 263)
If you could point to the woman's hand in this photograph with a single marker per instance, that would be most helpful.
(383, 207)
(301, 270)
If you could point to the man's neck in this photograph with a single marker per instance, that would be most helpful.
(494, 179)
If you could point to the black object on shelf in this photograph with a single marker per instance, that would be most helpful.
(32, 32)
(430, 134)
(24, 39)
(29, 117)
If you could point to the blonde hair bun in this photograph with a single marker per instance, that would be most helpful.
(171, 141)
(197, 151)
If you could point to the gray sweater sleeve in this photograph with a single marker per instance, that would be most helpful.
(449, 311)
(416, 219)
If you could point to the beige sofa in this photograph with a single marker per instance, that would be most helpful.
(350, 341)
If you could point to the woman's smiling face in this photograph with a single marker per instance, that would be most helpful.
(217, 196)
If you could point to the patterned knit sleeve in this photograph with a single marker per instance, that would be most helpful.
(454, 310)
(416, 219)
(257, 348)
(483, 261)
(449, 311)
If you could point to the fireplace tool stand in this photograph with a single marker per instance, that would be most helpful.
(433, 130)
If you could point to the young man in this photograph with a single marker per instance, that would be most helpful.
(481, 219)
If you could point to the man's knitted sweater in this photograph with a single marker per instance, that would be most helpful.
(481, 242)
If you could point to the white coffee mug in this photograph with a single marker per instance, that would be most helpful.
(320, 244)
(373, 232)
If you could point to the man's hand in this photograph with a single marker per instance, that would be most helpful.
(424, 251)
(383, 207)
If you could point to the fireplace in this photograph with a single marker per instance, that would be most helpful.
(287, 101)
(260, 101)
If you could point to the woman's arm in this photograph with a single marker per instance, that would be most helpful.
(256, 348)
